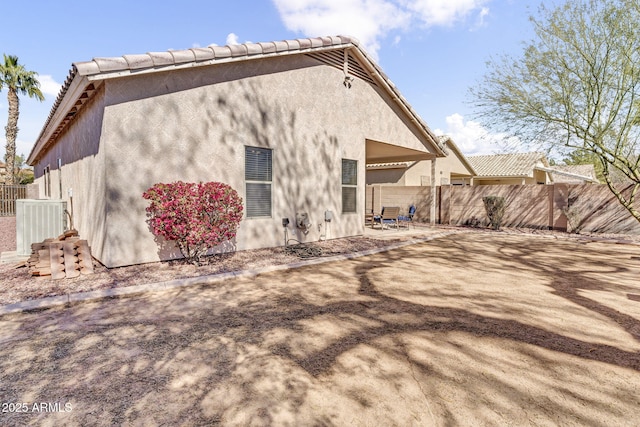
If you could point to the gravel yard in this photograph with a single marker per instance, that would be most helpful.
(469, 329)
(17, 285)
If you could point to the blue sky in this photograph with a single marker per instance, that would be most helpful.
(433, 50)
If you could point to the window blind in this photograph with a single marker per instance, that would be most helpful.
(349, 185)
(258, 177)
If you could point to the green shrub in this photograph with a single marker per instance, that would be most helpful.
(495, 207)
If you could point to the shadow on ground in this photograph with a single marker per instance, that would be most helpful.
(474, 329)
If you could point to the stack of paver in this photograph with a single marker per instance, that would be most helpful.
(64, 257)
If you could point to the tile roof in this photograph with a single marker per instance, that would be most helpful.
(84, 77)
(569, 174)
(204, 55)
(502, 165)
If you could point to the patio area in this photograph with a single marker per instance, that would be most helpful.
(468, 329)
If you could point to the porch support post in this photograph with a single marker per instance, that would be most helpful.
(432, 215)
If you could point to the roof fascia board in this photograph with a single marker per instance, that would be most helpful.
(74, 91)
(568, 174)
(398, 99)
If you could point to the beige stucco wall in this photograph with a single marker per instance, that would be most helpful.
(541, 177)
(83, 171)
(192, 125)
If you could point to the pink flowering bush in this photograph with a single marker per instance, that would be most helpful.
(197, 217)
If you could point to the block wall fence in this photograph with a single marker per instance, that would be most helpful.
(529, 206)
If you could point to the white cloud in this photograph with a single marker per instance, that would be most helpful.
(48, 85)
(480, 22)
(371, 20)
(444, 12)
(367, 20)
(232, 38)
(473, 139)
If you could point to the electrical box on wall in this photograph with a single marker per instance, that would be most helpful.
(328, 216)
(302, 222)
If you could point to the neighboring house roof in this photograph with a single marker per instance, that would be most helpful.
(447, 142)
(337, 51)
(574, 174)
(508, 165)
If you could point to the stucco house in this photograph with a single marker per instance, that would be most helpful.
(291, 125)
(511, 169)
(453, 169)
(527, 168)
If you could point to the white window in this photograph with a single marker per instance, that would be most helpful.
(258, 179)
(349, 185)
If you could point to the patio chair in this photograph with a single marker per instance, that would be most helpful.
(388, 216)
(405, 220)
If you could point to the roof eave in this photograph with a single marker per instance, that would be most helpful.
(72, 92)
(93, 75)
(551, 171)
(501, 176)
(384, 81)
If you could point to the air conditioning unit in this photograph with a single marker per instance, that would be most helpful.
(37, 220)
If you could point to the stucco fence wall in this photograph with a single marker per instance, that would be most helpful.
(8, 224)
(7, 233)
(377, 196)
(531, 206)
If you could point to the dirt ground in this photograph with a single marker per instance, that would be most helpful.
(18, 285)
(470, 329)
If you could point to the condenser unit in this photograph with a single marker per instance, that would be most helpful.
(37, 220)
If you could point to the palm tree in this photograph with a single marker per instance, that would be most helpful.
(18, 81)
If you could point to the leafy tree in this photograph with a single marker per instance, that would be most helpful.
(22, 175)
(17, 80)
(575, 87)
(197, 217)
